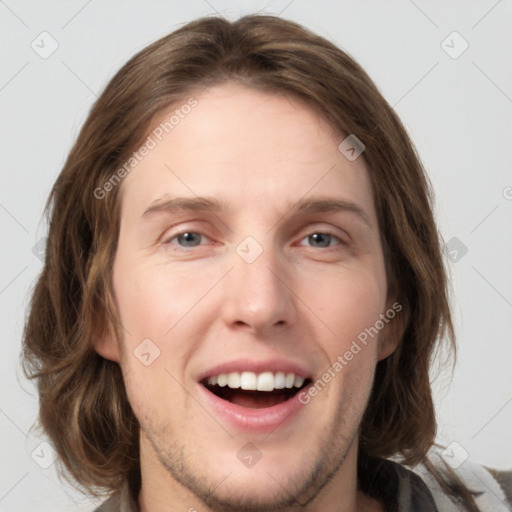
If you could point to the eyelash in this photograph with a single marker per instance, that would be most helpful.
(325, 233)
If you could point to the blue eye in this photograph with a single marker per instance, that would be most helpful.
(187, 239)
(190, 239)
(321, 239)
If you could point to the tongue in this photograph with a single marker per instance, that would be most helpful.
(255, 399)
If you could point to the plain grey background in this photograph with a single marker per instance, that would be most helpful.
(456, 103)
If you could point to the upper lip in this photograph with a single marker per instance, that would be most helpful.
(257, 367)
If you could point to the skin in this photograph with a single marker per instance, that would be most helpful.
(300, 300)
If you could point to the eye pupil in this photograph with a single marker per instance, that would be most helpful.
(321, 239)
(189, 239)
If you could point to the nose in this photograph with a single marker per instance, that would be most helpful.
(258, 295)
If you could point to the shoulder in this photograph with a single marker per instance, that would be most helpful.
(491, 488)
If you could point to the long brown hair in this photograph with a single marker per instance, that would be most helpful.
(83, 405)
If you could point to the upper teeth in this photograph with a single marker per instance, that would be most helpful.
(267, 381)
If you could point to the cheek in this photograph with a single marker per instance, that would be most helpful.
(349, 302)
(162, 305)
(350, 307)
(152, 307)
(360, 301)
(153, 299)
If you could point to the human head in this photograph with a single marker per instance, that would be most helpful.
(84, 407)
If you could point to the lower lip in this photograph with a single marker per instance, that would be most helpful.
(255, 420)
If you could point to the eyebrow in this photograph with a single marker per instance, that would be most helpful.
(213, 205)
(203, 204)
(328, 205)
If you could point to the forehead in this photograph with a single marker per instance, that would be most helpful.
(241, 144)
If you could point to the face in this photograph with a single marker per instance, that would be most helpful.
(248, 267)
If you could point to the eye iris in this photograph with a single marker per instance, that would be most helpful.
(189, 239)
(321, 239)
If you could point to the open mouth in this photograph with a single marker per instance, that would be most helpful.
(253, 391)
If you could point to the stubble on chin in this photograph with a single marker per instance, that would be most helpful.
(297, 492)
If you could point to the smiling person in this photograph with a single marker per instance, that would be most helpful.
(243, 288)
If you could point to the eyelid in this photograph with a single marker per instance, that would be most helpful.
(177, 228)
(331, 230)
(167, 239)
(341, 241)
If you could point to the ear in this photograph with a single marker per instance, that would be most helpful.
(106, 344)
(392, 333)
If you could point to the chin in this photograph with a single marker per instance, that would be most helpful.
(278, 480)
(244, 493)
